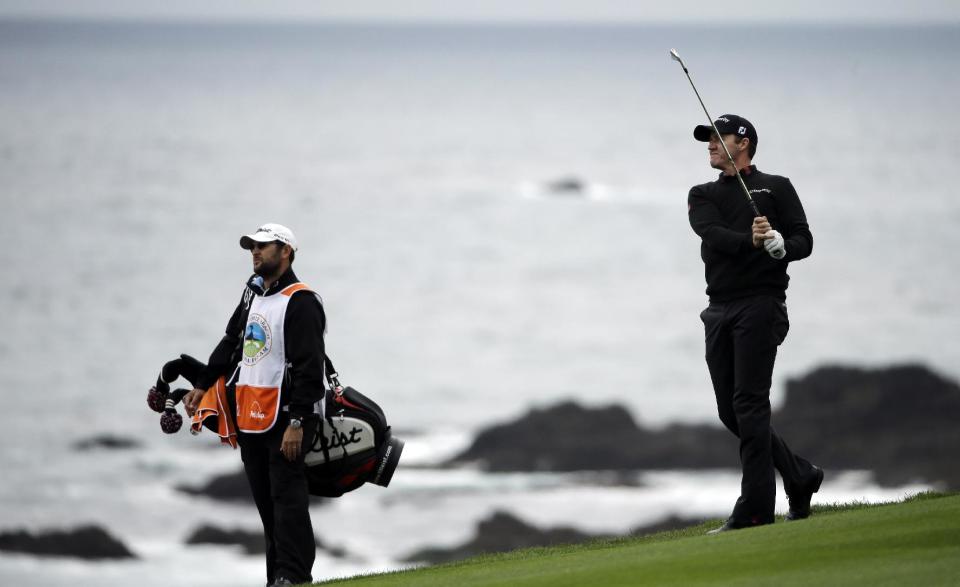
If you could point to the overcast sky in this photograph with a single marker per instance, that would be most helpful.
(826, 11)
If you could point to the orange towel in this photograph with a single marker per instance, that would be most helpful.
(214, 405)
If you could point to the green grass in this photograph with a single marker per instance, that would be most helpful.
(914, 542)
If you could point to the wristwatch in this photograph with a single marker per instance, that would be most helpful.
(296, 422)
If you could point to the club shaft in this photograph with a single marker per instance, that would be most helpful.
(743, 184)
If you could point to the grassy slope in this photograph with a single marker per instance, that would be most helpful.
(916, 542)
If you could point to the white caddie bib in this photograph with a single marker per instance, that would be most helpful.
(263, 361)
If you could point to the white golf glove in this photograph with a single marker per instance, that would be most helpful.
(774, 246)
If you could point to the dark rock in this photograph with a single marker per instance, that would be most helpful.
(334, 551)
(690, 446)
(564, 437)
(229, 487)
(665, 525)
(253, 542)
(569, 437)
(108, 442)
(566, 186)
(899, 422)
(501, 533)
(86, 542)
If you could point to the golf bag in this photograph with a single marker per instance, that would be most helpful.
(354, 444)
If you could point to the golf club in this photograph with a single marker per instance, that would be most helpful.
(753, 205)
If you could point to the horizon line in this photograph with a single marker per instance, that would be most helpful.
(466, 23)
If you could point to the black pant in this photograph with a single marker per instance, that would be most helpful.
(742, 337)
(279, 489)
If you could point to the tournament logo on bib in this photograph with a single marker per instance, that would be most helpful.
(256, 340)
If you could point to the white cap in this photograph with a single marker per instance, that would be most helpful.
(269, 233)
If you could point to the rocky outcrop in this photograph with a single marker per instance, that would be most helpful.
(501, 533)
(86, 542)
(252, 542)
(899, 422)
(566, 186)
(666, 525)
(570, 437)
(229, 487)
(106, 442)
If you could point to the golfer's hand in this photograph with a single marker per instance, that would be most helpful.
(760, 229)
(775, 246)
(192, 400)
(291, 443)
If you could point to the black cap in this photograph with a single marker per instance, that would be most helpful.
(727, 124)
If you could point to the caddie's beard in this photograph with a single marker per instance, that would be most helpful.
(267, 268)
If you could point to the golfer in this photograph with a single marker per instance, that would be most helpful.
(746, 262)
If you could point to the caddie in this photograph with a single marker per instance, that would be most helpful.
(272, 354)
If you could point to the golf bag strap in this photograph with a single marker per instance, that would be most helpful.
(331, 372)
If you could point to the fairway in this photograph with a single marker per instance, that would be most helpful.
(916, 542)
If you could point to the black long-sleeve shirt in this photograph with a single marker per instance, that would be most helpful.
(303, 327)
(720, 214)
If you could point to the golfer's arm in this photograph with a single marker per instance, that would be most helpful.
(706, 221)
(798, 239)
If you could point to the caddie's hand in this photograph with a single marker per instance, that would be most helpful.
(192, 400)
(291, 443)
(760, 229)
(774, 245)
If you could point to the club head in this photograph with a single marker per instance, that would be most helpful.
(675, 55)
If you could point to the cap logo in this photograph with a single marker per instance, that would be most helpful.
(742, 130)
(276, 235)
(724, 119)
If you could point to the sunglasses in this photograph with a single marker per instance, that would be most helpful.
(256, 246)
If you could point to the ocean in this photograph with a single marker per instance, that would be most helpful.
(415, 165)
